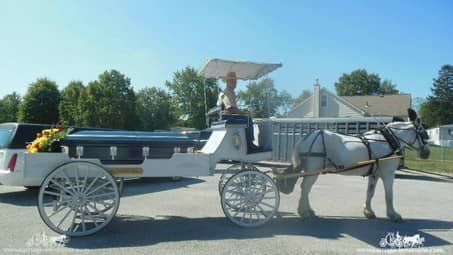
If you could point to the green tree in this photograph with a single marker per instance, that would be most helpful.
(304, 95)
(72, 104)
(357, 83)
(417, 103)
(262, 100)
(437, 108)
(154, 109)
(110, 102)
(429, 113)
(360, 83)
(9, 106)
(187, 89)
(387, 88)
(40, 103)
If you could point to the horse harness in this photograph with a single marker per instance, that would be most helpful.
(388, 135)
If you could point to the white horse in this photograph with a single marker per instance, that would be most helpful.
(322, 148)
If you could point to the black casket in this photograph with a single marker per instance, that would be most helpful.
(128, 145)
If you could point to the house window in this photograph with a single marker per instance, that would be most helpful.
(323, 100)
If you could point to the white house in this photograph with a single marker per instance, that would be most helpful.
(325, 104)
(442, 135)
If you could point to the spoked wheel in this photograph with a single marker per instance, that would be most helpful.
(225, 176)
(250, 198)
(78, 198)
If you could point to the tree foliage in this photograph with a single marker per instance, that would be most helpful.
(40, 103)
(360, 82)
(110, 102)
(187, 90)
(9, 106)
(437, 108)
(304, 95)
(72, 104)
(387, 88)
(417, 103)
(262, 100)
(154, 109)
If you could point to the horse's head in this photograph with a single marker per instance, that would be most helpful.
(412, 134)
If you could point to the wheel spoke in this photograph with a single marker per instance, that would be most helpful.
(64, 218)
(67, 179)
(52, 193)
(73, 220)
(61, 187)
(92, 183)
(57, 211)
(266, 204)
(101, 195)
(98, 188)
(83, 221)
(56, 203)
(76, 173)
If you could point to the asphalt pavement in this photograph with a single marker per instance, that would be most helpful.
(161, 216)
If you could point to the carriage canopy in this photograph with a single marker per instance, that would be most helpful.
(245, 70)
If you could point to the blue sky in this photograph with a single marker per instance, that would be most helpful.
(404, 41)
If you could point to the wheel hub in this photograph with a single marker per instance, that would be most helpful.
(78, 200)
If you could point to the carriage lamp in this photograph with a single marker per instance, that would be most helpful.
(79, 151)
(190, 149)
(145, 152)
(177, 149)
(236, 140)
(113, 152)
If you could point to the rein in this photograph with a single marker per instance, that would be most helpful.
(411, 146)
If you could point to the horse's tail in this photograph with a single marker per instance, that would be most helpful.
(286, 184)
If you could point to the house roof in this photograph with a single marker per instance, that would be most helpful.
(382, 105)
(346, 102)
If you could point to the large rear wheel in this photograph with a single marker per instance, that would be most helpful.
(78, 198)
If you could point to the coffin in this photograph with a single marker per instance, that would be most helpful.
(129, 145)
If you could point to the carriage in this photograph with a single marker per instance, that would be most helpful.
(80, 187)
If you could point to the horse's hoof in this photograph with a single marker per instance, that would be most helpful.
(369, 213)
(396, 218)
(307, 214)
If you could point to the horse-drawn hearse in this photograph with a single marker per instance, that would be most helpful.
(80, 188)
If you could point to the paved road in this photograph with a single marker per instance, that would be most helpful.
(185, 217)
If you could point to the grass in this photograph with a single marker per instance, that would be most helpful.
(440, 160)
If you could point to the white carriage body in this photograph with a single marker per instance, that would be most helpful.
(32, 168)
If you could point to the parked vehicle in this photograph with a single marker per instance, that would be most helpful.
(79, 193)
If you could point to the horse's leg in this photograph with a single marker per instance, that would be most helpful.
(304, 208)
(369, 213)
(387, 178)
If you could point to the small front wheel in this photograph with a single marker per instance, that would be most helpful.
(78, 198)
(250, 198)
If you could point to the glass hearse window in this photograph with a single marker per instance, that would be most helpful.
(24, 134)
(6, 131)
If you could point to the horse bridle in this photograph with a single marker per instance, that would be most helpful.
(418, 137)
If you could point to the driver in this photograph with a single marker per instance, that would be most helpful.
(227, 98)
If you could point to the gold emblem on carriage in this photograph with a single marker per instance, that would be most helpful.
(236, 140)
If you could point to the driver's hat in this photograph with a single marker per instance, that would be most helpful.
(230, 76)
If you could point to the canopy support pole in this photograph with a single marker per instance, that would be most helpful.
(205, 104)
